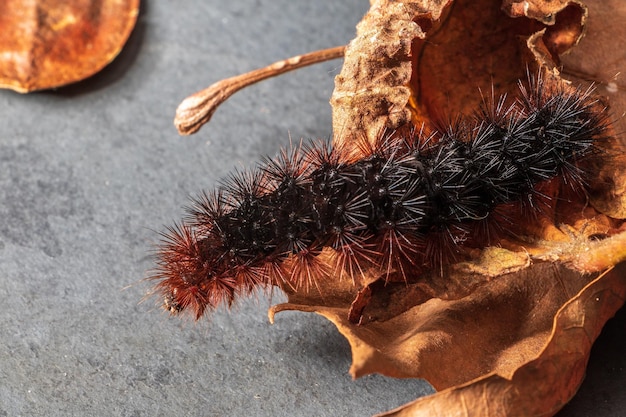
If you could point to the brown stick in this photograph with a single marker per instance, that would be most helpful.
(197, 109)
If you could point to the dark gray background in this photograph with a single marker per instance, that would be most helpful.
(90, 172)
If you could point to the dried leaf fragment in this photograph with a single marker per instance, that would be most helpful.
(50, 43)
(494, 327)
(541, 386)
(372, 91)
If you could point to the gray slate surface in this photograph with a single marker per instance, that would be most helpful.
(90, 172)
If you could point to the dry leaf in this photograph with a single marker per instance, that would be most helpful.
(543, 384)
(50, 43)
(507, 333)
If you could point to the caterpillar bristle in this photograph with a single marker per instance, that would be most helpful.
(272, 272)
(397, 252)
(500, 222)
(407, 202)
(249, 278)
(178, 245)
(204, 209)
(321, 153)
(288, 166)
(351, 262)
(304, 269)
(442, 246)
(242, 186)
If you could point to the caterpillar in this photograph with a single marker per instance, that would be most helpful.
(405, 203)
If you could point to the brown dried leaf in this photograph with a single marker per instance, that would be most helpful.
(50, 43)
(509, 331)
(477, 324)
(542, 385)
(372, 91)
(600, 58)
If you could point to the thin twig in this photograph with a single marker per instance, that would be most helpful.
(197, 109)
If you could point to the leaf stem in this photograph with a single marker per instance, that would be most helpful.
(197, 109)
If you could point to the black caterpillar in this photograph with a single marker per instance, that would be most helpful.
(407, 202)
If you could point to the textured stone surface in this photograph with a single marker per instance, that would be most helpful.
(90, 172)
